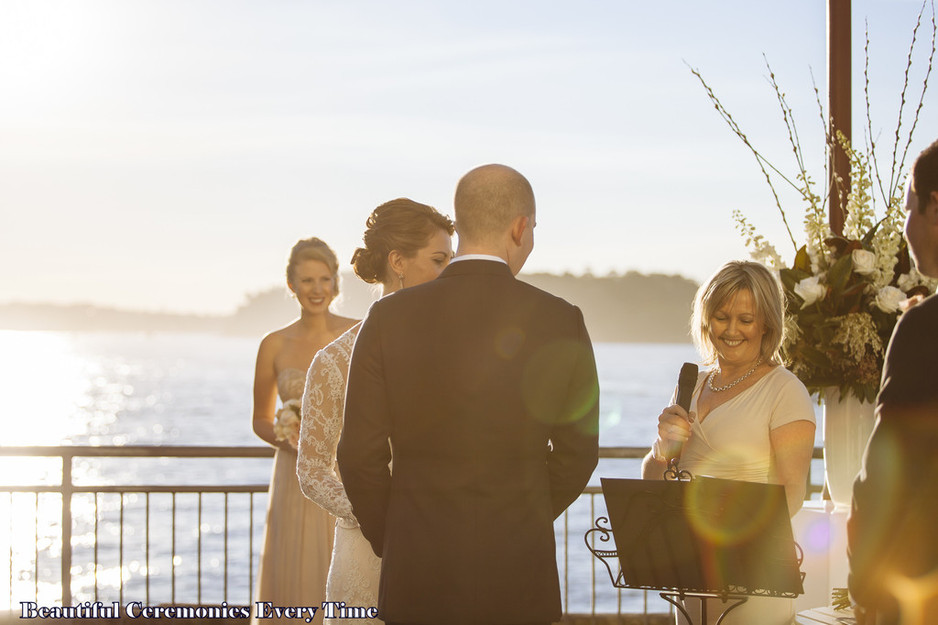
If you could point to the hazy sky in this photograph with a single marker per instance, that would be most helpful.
(165, 155)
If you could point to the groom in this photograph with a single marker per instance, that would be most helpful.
(486, 389)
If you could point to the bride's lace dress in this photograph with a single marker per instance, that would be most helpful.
(298, 536)
(355, 570)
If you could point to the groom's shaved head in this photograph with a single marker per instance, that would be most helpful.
(487, 199)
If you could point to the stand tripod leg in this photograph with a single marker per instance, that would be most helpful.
(677, 600)
(674, 600)
(738, 603)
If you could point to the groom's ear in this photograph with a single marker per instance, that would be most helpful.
(518, 225)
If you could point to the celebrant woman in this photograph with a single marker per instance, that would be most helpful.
(298, 536)
(750, 419)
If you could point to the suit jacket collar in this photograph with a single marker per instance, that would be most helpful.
(477, 267)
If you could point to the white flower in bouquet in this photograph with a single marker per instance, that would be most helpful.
(907, 280)
(810, 290)
(864, 262)
(913, 279)
(888, 299)
(287, 422)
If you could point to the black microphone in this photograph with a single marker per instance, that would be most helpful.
(686, 382)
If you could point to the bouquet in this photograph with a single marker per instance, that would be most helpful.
(844, 292)
(287, 422)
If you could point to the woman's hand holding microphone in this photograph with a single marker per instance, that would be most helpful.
(673, 431)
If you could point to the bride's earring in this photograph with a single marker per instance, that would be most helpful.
(400, 277)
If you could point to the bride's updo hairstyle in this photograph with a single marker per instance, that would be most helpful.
(767, 297)
(402, 225)
(313, 249)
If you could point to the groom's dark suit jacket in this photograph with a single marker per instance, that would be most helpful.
(485, 387)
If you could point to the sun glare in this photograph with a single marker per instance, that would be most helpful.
(42, 382)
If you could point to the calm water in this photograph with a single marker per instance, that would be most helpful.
(185, 389)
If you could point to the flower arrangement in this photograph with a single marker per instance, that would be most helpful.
(844, 292)
(287, 422)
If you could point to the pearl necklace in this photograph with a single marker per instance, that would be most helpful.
(719, 389)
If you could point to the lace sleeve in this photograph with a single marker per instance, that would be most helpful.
(321, 424)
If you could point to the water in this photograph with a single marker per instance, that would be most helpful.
(195, 389)
(190, 389)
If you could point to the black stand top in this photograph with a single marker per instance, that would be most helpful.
(700, 536)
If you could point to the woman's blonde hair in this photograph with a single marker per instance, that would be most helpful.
(767, 296)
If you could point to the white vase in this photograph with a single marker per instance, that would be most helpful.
(847, 428)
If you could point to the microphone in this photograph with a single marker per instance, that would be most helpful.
(686, 382)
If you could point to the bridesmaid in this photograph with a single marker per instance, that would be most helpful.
(298, 538)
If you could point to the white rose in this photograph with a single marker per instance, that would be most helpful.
(810, 290)
(294, 406)
(287, 422)
(908, 281)
(864, 262)
(888, 298)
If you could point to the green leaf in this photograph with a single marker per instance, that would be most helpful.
(802, 260)
(789, 279)
(868, 239)
(816, 357)
(839, 274)
(859, 287)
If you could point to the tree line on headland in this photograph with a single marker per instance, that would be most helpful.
(628, 308)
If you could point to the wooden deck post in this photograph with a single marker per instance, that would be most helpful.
(839, 94)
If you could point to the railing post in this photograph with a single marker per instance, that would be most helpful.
(66, 529)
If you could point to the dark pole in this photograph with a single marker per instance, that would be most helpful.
(838, 84)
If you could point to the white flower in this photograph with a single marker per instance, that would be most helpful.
(907, 281)
(810, 290)
(888, 298)
(864, 262)
(287, 422)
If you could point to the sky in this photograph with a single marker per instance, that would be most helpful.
(164, 155)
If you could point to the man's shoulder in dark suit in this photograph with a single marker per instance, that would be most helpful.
(895, 500)
(908, 374)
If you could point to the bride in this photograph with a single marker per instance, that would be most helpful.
(405, 244)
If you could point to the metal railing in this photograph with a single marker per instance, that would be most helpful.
(68, 491)
(81, 553)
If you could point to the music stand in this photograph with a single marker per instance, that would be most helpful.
(700, 537)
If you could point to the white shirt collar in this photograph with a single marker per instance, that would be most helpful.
(479, 257)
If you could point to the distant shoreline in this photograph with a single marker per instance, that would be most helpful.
(631, 308)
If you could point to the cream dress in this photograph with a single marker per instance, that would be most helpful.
(298, 538)
(733, 443)
(355, 571)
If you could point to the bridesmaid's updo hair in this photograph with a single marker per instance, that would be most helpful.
(768, 300)
(402, 225)
(313, 249)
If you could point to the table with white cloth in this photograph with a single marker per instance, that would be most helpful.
(820, 528)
